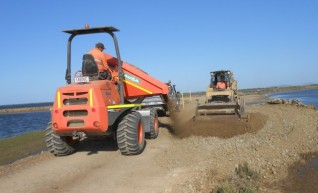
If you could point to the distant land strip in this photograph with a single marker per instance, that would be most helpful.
(26, 109)
(259, 91)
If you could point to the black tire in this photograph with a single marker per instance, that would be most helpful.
(154, 124)
(131, 134)
(57, 145)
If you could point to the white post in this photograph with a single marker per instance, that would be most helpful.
(182, 100)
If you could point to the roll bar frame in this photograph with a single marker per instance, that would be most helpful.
(107, 29)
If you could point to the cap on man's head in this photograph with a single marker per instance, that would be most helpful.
(100, 45)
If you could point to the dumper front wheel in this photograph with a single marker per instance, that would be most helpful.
(59, 146)
(131, 134)
(154, 124)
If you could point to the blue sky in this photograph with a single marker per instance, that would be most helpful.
(264, 42)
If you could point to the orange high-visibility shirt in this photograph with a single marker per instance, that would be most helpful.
(221, 85)
(100, 59)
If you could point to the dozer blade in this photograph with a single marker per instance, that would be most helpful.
(205, 111)
(217, 108)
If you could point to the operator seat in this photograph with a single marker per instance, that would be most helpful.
(89, 67)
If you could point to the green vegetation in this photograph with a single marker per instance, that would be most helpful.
(15, 148)
(244, 171)
(226, 188)
(246, 180)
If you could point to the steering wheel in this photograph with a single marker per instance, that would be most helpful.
(111, 75)
(106, 75)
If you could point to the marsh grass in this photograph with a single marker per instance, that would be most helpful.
(245, 172)
(14, 148)
(226, 187)
(245, 180)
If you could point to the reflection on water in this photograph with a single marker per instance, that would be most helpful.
(303, 170)
(302, 175)
(14, 124)
(255, 104)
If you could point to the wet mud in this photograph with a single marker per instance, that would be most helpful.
(302, 176)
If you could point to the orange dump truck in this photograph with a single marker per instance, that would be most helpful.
(122, 103)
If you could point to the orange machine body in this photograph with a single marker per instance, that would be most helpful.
(137, 83)
(85, 107)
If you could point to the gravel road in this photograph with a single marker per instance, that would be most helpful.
(184, 158)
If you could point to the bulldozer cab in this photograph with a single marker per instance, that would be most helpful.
(219, 76)
(227, 92)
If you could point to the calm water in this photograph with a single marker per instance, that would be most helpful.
(305, 96)
(14, 124)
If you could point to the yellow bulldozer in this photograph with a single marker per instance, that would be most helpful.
(221, 97)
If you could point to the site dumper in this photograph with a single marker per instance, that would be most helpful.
(105, 105)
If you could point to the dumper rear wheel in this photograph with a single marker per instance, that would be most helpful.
(57, 145)
(154, 124)
(131, 134)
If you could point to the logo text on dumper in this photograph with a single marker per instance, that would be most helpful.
(132, 78)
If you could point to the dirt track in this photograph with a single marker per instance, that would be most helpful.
(181, 159)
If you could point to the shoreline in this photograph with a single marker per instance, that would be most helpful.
(271, 90)
(257, 95)
(24, 110)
